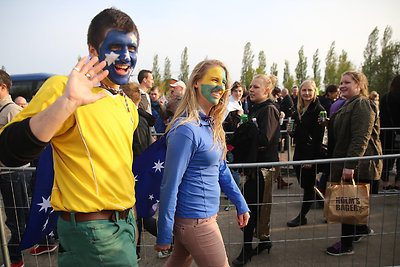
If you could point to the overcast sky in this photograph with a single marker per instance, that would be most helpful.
(49, 35)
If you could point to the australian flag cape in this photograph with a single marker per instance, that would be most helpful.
(148, 170)
(42, 217)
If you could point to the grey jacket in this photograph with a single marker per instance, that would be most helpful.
(8, 113)
(356, 133)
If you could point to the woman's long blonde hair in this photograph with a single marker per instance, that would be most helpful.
(301, 108)
(188, 108)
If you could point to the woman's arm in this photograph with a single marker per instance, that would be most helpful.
(317, 134)
(230, 188)
(268, 125)
(361, 125)
(180, 149)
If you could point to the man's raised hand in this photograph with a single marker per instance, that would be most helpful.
(82, 79)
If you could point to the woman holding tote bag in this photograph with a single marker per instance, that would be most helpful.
(355, 133)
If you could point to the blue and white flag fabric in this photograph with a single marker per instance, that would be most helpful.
(42, 217)
(148, 169)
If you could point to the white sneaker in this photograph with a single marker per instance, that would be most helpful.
(357, 238)
(164, 254)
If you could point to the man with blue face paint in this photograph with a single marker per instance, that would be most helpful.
(89, 123)
(119, 51)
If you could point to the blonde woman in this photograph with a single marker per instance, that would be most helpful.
(308, 135)
(354, 133)
(195, 171)
(263, 128)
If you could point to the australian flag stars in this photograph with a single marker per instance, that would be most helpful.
(148, 169)
(42, 217)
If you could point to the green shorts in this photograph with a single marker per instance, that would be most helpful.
(97, 243)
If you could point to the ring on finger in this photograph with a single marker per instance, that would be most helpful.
(88, 75)
(77, 69)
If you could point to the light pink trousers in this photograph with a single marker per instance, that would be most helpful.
(199, 240)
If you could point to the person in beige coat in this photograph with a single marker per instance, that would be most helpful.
(355, 130)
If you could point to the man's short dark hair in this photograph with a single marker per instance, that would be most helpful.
(6, 79)
(332, 88)
(276, 91)
(143, 74)
(110, 18)
(154, 88)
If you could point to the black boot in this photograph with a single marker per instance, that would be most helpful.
(244, 256)
(299, 220)
(263, 245)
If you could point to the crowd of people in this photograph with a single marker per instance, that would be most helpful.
(98, 122)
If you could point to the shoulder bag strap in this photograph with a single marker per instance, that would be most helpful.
(5, 106)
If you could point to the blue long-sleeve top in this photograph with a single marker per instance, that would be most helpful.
(193, 176)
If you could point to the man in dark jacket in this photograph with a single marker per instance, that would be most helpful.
(332, 93)
(287, 107)
(158, 108)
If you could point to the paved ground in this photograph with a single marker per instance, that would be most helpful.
(302, 246)
(305, 246)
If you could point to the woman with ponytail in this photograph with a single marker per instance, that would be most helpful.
(354, 133)
(263, 127)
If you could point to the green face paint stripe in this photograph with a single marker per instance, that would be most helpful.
(206, 91)
(224, 79)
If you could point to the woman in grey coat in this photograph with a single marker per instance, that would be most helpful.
(355, 134)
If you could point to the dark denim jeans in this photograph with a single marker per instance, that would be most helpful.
(14, 189)
(150, 224)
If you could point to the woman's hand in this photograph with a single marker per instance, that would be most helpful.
(325, 123)
(240, 112)
(81, 81)
(162, 247)
(289, 128)
(306, 166)
(347, 174)
(243, 219)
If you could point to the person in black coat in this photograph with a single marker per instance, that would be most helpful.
(308, 134)
(331, 94)
(287, 107)
(389, 108)
(142, 139)
(278, 101)
(234, 108)
(257, 141)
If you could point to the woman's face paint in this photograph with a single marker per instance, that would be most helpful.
(213, 85)
(119, 50)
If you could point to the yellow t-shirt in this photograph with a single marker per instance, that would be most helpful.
(92, 151)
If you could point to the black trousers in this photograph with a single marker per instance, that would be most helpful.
(150, 224)
(14, 190)
(253, 194)
(350, 230)
(306, 178)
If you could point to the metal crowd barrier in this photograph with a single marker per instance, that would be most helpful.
(291, 247)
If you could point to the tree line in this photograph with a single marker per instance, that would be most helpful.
(381, 63)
